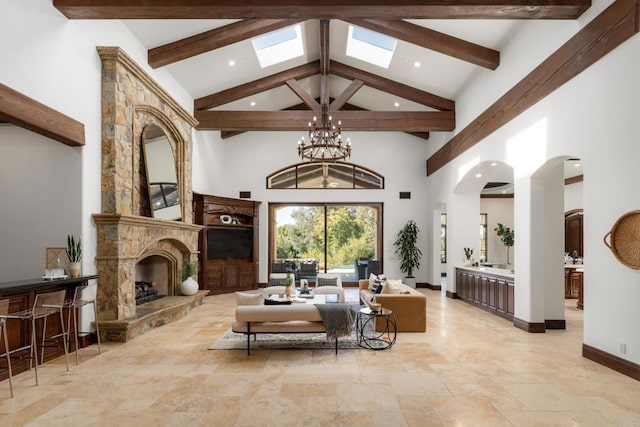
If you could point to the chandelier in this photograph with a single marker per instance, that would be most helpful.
(325, 141)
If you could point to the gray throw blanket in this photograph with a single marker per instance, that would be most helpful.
(338, 319)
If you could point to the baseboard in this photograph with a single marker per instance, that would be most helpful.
(452, 295)
(428, 285)
(555, 324)
(534, 328)
(86, 340)
(616, 363)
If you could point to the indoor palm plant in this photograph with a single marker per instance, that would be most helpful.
(406, 244)
(189, 269)
(74, 253)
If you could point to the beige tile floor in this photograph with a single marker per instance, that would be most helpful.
(470, 368)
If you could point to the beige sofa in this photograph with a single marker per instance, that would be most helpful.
(409, 307)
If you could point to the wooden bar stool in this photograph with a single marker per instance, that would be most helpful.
(83, 295)
(4, 310)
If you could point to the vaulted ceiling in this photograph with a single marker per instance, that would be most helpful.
(196, 40)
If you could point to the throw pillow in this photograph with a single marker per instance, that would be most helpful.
(393, 287)
(327, 281)
(277, 282)
(372, 281)
(246, 298)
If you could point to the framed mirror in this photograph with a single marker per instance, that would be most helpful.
(162, 180)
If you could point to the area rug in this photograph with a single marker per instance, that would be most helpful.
(234, 341)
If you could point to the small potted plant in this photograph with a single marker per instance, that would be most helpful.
(406, 244)
(288, 282)
(74, 253)
(467, 253)
(189, 269)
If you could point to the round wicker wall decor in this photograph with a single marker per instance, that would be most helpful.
(624, 239)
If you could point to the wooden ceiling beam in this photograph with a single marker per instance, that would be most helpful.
(30, 114)
(612, 27)
(313, 9)
(409, 121)
(298, 107)
(214, 39)
(324, 62)
(344, 97)
(392, 87)
(433, 40)
(256, 86)
(305, 96)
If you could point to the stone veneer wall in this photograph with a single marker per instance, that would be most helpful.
(131, 100)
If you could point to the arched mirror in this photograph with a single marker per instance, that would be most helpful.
(162, 178)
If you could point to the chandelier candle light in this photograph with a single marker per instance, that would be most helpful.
(325, 141)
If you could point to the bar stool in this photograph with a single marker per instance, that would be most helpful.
(4, 310)
(83, 295)
(44, 306)
(54, 303)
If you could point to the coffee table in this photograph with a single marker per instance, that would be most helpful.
(366, 334)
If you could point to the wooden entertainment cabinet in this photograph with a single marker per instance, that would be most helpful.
(228, 244)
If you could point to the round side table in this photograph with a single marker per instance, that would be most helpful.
(366, 334)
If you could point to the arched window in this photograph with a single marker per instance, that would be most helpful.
(320, 175)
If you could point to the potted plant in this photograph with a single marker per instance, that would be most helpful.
(467, 253)
(507, 237)
(74, 253)
(407, 248)
(288, 282)
(189, 269)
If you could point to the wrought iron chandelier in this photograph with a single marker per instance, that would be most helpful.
(325, 141)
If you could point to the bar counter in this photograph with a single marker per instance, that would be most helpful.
(21, 295)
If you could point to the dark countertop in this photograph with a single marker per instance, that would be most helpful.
(26, 284)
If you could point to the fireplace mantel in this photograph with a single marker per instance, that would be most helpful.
(127, 234)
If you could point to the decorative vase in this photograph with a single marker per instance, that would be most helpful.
(189, 286)
(287, 291)
(74, 269)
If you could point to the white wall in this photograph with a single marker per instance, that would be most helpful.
(559, 126)
(498, 211)
(250, 157)
(54, 61)
(573, 196)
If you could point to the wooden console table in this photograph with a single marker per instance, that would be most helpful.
(21, 295)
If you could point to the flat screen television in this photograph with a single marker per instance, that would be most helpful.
(229, 243)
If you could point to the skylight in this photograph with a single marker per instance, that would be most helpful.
(279, 46)
(370, 46)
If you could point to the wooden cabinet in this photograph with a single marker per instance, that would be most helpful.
(573, 230)
(228, 243)
(573, 277)
(490, 292)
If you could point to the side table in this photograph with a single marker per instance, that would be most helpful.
(366, 334)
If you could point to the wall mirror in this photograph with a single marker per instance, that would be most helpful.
(162, 178)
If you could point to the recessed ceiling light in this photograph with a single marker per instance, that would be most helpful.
(416, 64)
(478, 175)
(232, 63)
(577, 165)
(494, 163)
(253, 103)
(504, 191)
(396, 104)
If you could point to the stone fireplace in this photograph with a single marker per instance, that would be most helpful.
(128, 234)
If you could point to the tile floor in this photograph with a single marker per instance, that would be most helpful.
(470, 368)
